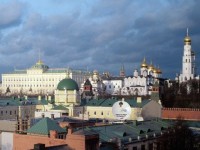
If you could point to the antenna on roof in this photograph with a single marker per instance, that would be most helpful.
(187, 31)
(39, 54)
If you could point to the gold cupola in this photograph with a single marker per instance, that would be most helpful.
(144, 64)
(187, 39)
(151, 67)
(159, 71)
(155, 70)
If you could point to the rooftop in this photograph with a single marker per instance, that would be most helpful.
(110, 102)
(44, 126)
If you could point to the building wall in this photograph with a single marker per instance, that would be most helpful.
(38, 114)
(10, 112)
(76, 142)
(82, 142)
(148, 144)
(6, 141)
(106, 112)
(151, 110)
(184, 113)
(37, 81)
(113, 87)
(25, 142)
(67, 97)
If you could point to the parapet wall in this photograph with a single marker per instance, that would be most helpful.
(183, 113)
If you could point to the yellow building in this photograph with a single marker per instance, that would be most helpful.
(102, 108)
(39, 79)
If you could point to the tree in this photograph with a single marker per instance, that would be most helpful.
(179, 137)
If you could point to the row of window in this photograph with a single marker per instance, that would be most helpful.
(109, 87)
(33, 85)
(32, 79)
(102, 113)
(13, 112)
(8, 112)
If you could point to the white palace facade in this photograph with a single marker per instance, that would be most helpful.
(39, 79)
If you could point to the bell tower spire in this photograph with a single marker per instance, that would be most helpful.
(188, 60)
(122, 71)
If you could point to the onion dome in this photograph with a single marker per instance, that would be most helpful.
(67, 84)
(159, 71)
(187, 40)
(95, 72)
(155, 70)
(151, 67)
(40, 65)
(144, 64)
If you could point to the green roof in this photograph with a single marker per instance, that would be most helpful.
(60, 107)
(67, 84)
(129, 130)
(22, 101)
(44, 126)
(39, 65)
(110, 102)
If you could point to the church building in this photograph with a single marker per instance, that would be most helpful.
(188, 62)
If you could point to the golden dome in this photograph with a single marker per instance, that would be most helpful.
(187, 40)
(144, 64)
(159, 71)
(95, 72)
(155, 70)
(151, 67)
(39, 62)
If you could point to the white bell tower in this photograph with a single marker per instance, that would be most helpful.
(188, 66)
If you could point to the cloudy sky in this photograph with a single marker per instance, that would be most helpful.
(97, 34)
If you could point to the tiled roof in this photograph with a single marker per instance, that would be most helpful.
(110, 102)
(130, 130)
(60, 107)
(112, 78)
(44, 126)
(22, 101)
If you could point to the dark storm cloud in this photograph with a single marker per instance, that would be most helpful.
(103, 36)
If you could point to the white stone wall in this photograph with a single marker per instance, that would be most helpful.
(38, 114)
(113, 87)
(7, 141)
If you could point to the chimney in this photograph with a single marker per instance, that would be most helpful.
(46, 97)
(26, 97)
(53, 134)
(135, 122)
(70, 130)
(139, 99)
(39, 97)
(43, 115)
(52, 116)
(49, 98)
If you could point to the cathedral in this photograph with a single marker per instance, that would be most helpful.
(141, 82)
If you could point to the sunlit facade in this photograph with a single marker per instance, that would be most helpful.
(39, 79)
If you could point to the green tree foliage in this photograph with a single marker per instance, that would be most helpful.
(186, 94)
(179, 137)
